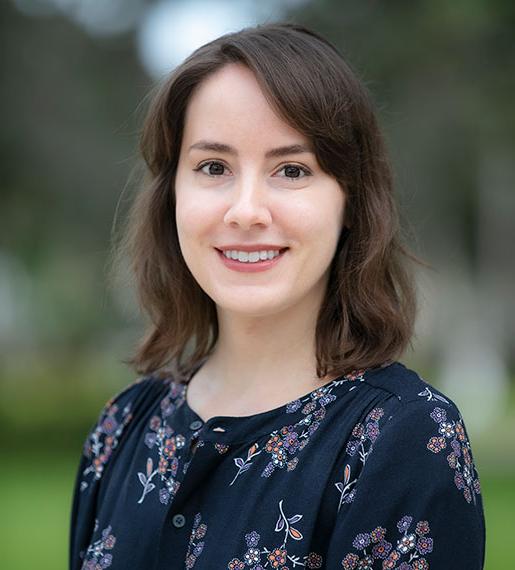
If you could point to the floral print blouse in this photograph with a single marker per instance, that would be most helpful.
(372, 470)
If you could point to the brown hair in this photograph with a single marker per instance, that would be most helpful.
(368, 313)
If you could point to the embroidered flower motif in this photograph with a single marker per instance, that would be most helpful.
(353, 445)
(221, 448)
(452, 460)
(436, 444)
(377, 534)
(381, 549)
(195, 545)
(446, 429)
(406, 543)
(376, 414)
(361, 541)
(411, 545)
(420, 564)
(346, 493)
(350, 561)
(422, 528)
(360, 374)
(169, 445)
(366, 434)
(431, 394)
(244, 465)
(404, 523)
(284, 444)
(252, 556)
(314, 560)
(276, 556)
(439, 415)
(358, 430)
(95, 557)
(104, 438)
(290, 439)
(425, 545)
(460, 458)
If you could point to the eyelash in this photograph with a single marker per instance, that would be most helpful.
(294, 179)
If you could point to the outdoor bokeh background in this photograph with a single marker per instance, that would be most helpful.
(76, 74)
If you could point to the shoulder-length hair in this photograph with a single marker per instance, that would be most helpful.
(368, 313)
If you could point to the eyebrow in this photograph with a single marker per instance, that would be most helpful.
(272, 153)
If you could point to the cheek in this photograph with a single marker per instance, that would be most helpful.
(332, 210)
(186, 229)
(186, 207)
(185, 215)
(191, 214)
(318, 220)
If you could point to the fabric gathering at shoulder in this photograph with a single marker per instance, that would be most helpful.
(403, 383)
(415, 460)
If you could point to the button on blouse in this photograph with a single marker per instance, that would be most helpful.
(178, 520)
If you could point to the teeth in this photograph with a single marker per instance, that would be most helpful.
(252, 256)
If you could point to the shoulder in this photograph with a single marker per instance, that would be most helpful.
(408, 459)
(118, 408)
(417, 407)
(423, 428)
(122, 404)
(404, 401)
(117, 415)
(398, 404)
(405, 384)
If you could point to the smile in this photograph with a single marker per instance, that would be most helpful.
(247, 262)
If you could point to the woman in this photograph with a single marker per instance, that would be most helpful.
(272, 425)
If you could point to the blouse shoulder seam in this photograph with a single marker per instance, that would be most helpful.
(425, 392)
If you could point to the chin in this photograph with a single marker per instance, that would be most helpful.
(251, 308)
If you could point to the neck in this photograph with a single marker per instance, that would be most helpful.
(272, 354)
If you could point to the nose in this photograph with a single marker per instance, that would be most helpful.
(248, 205)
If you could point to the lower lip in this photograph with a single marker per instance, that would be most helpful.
(250, 267)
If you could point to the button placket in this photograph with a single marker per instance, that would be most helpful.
(196, 427)
(178, 520)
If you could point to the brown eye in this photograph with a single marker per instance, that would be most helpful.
(294, 172)
(213, 168)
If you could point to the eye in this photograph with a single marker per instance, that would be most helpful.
(294, 172)
(214, 168)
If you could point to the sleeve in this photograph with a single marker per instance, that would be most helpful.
(416, 503)
(99, 446)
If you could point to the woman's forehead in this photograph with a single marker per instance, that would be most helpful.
(230, 107)
(233, 89)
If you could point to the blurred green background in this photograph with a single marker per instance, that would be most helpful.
(75, 78)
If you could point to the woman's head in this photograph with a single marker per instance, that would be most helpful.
(302, 92)
(246, 179)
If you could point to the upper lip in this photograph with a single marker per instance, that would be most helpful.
(254, 247)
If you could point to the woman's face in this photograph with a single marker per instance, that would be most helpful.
(238, 185)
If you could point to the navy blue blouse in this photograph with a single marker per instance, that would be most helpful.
(372, 470)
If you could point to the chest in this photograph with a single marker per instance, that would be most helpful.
(276, 490)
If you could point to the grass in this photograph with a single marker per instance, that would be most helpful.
(499, 503)
(36, 493)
